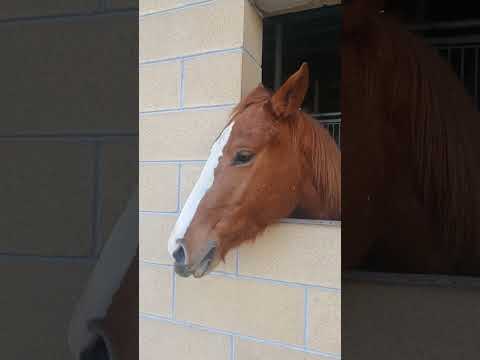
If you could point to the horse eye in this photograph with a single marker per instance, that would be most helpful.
(242, 157)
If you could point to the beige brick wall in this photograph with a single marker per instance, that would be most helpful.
(27, 299)
(186, 32)
(276, 299)
(252, 350)
(65, 44)
(160, 86)
(155, 6)
(202, 125)
(260, 309)
(121, 4)
(153, 230)
(35, 210)
(73, 167)
(119, 178)
(34, 8)
(295, 253)
(158, 196)
(324, 323)
(155, 287)
(166, 340)
(214, 79)
(436, 316)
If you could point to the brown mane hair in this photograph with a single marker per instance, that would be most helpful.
(323, 156)
(413, 102)
(316, 145)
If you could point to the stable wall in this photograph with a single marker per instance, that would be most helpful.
(68, 170)
(276, 299)
(393, 316)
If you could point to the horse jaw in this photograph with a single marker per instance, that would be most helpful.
(204, 182)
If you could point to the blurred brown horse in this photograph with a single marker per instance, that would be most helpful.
(104, 325)
(411, 150)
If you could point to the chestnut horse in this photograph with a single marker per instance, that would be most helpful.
(104, 325)
(269, 161)
(411, 149)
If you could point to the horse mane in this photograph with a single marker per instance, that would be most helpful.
(316, 144)
(433, 114)
(322, 153)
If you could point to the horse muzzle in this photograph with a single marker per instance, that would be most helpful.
(197, 269)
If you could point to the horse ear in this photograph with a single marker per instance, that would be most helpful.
(289, 97)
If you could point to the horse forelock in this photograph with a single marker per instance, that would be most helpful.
(258, 95)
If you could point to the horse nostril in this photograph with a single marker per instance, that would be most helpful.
(179, 255)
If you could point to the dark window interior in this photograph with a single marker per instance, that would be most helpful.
(311, 36)
(452, 28)
(421, 11)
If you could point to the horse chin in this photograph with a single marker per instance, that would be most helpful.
(202, 270)
(208, 263)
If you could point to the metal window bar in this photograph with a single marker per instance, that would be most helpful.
(466, 64)
(332, 122)
(463, 56)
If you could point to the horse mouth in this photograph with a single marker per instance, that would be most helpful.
(200, 270)
(205, 265)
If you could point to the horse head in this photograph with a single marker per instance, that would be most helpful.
(269, 160)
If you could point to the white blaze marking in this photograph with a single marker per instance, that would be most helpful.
(204, 183)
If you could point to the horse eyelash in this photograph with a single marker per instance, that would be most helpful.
(236, 162)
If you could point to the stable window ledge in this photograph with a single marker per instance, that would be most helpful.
(310, 222)
(422, 280)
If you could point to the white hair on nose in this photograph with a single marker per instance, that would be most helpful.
(204, 182)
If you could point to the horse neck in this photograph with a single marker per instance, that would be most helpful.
(441, 127)
(320, 198)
